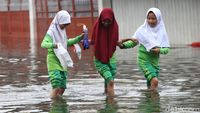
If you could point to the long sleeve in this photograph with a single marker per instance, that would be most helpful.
(129, 44)
(164, 50)
(47, 42)
(75, 40)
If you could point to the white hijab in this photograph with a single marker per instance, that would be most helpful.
(58, 35)
(152, 36)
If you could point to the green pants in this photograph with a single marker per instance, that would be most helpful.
(107, 71)
(58, 79)
(150, 71)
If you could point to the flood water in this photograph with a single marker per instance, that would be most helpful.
(24, 85)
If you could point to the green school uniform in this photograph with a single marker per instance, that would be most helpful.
(108, 70)
(147, 61)
(57, 74)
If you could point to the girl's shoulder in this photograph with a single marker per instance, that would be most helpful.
(48, 37)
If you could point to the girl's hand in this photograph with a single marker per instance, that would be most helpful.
(120, 45)
(155, 50)
(55, 46)
(82, 35)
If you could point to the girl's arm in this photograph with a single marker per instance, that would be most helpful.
(158, 50)
(164, 50)
(47, 42)
(127, 43)
(75, 40)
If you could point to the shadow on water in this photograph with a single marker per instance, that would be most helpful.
(24, 86)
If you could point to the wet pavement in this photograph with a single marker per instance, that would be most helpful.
(24, 86)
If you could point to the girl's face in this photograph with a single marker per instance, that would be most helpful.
(106, 22)
(151, 19)
(63, 26)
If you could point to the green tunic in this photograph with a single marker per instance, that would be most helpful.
(147, 61)
(52, 61)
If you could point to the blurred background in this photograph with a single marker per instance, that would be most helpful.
(24, 86)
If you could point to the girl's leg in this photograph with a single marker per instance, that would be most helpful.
(58, 82)
(106, 72)
(54, 77)
(109, 83)
(54, 93)
(110, 88)
(63, 83)
(61, 91)
(57, 92)
(154, 83)
(151, 73)
(113, 71)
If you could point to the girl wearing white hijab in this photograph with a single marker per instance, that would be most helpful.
(56, 36)
(153, 41)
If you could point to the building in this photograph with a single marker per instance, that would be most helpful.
(181, 17)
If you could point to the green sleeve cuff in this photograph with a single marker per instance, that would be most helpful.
(129, 44)
(75, 40)
(164, 50)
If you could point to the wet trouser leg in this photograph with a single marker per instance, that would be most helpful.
(150, 71)
(107, 71)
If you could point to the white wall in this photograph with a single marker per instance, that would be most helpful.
(181, 17)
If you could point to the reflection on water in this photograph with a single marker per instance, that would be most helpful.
(110, 105)
(24, 85)
(150, 103)
(59, 105)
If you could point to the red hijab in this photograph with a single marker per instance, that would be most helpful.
(105, 38)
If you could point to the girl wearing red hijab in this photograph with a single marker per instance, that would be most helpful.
(105, 38)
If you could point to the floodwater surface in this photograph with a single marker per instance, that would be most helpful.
(24, 85)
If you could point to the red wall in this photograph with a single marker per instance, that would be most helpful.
(14, 32)
(14, 24)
